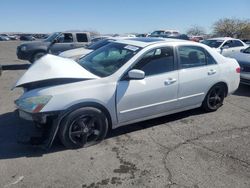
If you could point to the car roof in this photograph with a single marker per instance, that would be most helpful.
(146, 41)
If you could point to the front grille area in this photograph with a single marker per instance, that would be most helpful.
(245, 68)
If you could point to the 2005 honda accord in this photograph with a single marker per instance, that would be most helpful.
(121, 83)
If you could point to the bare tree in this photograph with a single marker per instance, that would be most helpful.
(232, 28)
(196, 30)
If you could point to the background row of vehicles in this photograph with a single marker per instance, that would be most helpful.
(75, 45)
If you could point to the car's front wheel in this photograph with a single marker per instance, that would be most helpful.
(37, 56)
(214, 98)
(83, 127)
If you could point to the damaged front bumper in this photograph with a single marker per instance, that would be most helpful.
(47, 124)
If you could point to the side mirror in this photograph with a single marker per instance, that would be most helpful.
(242, 50)
(136, 74)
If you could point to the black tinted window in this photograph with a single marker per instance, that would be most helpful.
(229, 43)
(237, 43)
(81, 37)
(191, 56)
(157, 61)
(65, 38)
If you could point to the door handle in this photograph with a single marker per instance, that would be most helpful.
(211, 72)
(170, 81)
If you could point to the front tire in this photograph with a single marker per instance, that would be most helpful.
(214, 98)
(83, 127)
(37, 56)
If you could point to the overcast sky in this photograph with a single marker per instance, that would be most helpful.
(116, 16)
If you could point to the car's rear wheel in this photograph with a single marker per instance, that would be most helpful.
(83, 127)
(214, 98)
(37, 56)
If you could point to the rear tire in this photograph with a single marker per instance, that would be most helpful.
(214, 98)
(83, 127)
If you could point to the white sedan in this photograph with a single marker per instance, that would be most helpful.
(121, 83)
(225, 45)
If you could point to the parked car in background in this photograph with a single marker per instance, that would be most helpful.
(123, 82)
(225, 45)
(196, 38)
(27, 38)
(142, 35)
(178, 36)
(75, 54)
(164, 33)
(243, 58)
(4, 38)
(54, 44)
(11, 37)
(247, 41)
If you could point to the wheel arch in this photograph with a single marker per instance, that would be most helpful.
(37, 51)
(91, 104)
(62, 115)
(224, 84)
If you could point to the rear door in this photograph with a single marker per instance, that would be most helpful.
(65, 42)
(198, 72)
(153, 95)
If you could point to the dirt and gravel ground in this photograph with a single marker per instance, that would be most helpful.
(189, 149)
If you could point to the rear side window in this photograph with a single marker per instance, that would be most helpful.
(194, 56)
(157, 61)
(81, 37)
(237, 43)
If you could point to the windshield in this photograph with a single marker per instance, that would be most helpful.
(99, 44)
(157, 33)
(212, 43)
(247, 50)
(52, 37)
(108, 59)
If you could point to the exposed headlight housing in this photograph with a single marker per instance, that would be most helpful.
(23, 48)
(33, 104)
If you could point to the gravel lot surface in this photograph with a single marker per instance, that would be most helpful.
(189, 149)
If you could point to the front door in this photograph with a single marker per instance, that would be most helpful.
(65, 42)
(155, 94)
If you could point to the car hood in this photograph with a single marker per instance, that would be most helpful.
(51, 67)
(35, 43)
(78, 52)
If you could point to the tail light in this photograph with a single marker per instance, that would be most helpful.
(238, 69)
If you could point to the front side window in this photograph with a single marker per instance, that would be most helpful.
(108, 59)
(65, 38)
(228, 43)
(157, 61)
(81, 37)
(191, 56)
